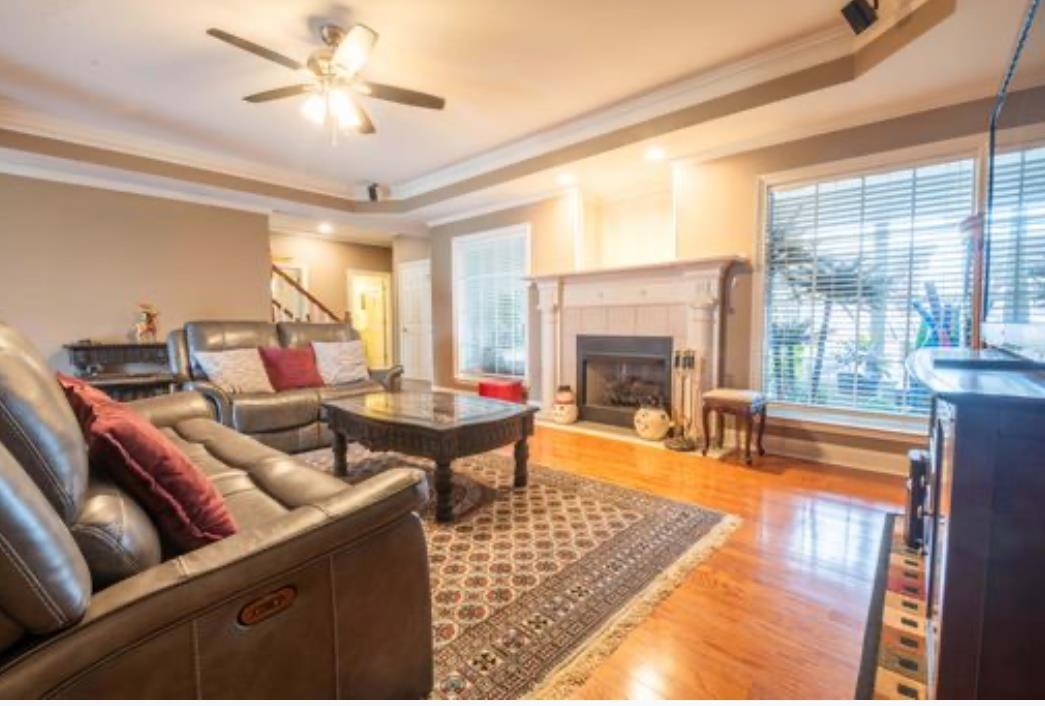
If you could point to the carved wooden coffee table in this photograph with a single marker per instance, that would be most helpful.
(442, 426)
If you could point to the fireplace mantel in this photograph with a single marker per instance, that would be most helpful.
(656, 268)
(681, 299)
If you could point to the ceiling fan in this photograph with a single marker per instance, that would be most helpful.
(333, 79)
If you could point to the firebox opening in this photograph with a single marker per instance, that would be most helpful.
(618, 374)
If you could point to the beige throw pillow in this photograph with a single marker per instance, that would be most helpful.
(238, 370)
(341, 362)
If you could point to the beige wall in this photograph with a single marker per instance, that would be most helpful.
(75, 261)
(636, 230)
(408, 249)
(551, 250)
(328, 262)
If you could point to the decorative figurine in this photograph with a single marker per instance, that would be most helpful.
(564, 409)
(146, 330)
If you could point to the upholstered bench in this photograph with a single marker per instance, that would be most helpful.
(742, 404)
(507, 390)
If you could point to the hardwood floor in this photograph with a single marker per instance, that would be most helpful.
(779, 611)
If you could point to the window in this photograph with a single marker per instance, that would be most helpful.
(490, 302)
(860, 271)
(1016, 284)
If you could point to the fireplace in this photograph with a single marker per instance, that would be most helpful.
(617, 374)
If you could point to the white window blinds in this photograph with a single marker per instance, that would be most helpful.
(861, 271)
(490, 303)
(1016, 284)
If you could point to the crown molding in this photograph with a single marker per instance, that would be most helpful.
(772, 63)
(964, 94)
(496, 205)
(22, 119)
(57, 170)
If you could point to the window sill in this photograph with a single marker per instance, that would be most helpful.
(884, 427)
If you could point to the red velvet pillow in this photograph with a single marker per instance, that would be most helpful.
(291, 368)
(183, 502)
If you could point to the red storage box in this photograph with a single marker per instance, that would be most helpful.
(507, 390)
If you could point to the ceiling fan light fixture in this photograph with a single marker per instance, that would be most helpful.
(315, 109)
(343, 109)
(354, 49)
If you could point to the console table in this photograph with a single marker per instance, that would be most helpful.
(441, 426)
(106, 366)
(978, 588)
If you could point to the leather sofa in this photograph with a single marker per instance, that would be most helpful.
(323, 592)
(291, 420)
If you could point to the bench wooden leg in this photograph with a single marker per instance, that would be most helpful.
(707, 430)
(748, 419)
(761, 431)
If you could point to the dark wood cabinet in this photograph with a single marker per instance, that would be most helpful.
(985, 537)
(126, 371)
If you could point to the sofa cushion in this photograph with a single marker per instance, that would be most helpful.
(290, 368)
(352, 389)
(297, 334)
(279, 410)
(235, 371)
(181, 500)
(44, 582)
(341, 362)
(38, 427)
(117, 538)
(257, 482)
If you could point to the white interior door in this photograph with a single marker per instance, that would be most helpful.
(414, 299)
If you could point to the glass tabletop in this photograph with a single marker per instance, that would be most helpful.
(433, 409)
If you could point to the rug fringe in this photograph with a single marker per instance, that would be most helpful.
(575, 670)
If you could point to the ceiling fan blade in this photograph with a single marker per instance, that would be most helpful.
(383, 91)
(277, 93)
(255, 49)
(354, 49)
(366, 126)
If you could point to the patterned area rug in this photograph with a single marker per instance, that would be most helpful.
(533, 587)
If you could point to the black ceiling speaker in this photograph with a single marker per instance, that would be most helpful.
(860, 14)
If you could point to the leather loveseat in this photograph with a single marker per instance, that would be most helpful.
(322, 592)
(290, 420)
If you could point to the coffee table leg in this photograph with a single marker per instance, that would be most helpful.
(340, 449)
(444, 506)
(522, 455)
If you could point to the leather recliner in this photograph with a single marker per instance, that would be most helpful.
(322, 593)
(291, 420)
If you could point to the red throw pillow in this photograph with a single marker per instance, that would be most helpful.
(291, 368)
(183, 502)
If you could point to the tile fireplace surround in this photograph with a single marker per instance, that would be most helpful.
(681, 299)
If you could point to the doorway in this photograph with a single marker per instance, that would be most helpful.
(414, 299)
(368, 302)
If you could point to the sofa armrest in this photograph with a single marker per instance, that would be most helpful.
(353, 565)
(389, 378)
(218, 399)
(167, 410)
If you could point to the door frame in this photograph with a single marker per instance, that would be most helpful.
(390, 304)
(423, 263)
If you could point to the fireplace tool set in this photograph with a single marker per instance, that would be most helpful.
(685, 400)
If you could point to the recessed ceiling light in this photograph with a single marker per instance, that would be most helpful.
(566, 179)
(325, 228)
(655, 154)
